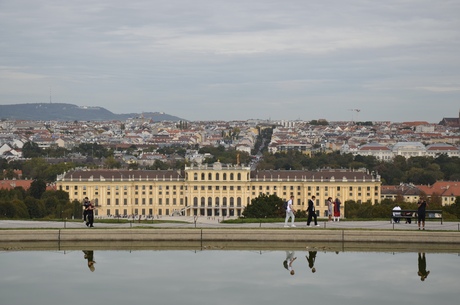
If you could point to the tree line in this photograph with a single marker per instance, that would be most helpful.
(37, 203)
(416, 170)
(271, 207)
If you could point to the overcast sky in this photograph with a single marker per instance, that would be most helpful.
(230, 60)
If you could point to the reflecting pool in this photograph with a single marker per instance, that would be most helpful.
(309, 276)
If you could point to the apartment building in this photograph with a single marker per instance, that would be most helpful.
(218, 190)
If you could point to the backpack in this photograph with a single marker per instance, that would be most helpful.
(285, 205)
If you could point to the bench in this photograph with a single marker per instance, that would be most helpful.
(412, 214)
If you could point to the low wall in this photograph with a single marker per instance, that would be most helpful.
(243, 235)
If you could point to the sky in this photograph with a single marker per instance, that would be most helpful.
(361, 60)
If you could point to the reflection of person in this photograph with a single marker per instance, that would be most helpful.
(89, 256)
(86, 203)
(421, 211)
(311, 211)
(90, 215)
(311, 260)
(290, 212)
(337, 204)
(330, 208)
(290, 258)
(422, 266)
(396, 214)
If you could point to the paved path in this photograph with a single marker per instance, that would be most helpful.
(205, 222)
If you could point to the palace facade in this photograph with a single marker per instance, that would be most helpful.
(218, 190)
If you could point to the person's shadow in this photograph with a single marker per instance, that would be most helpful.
(422, 272)
(311, 260)
(89, 256)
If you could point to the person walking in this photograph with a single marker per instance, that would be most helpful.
(337, 204)
(311, 211)
(290, 213)
(90, 215)
(86, 203)
(421, 213)
(330, 208)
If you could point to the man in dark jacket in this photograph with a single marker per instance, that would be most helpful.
(311, 211)
(86, 203)
(421, 213)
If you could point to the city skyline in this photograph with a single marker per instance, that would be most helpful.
(214, 60)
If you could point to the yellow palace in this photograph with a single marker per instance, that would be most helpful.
(218, 190)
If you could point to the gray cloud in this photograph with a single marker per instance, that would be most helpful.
(235, 60)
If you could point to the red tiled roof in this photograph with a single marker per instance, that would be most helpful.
(25, 184)
(442, 188)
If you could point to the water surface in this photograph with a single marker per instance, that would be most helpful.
(227, 277)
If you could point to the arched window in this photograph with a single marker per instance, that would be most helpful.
(217, 201)
(231, 176)
(195, 201)
(203, 201)
(239, 176)
(225, 176)
(238, 202)
(209, 176)
(217, 176)
(232, 202)
(202, 176)
(209, 201)
(224, 201)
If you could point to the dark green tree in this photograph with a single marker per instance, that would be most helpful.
(37, 188)
(35, 207)
(77, 210)
(20, 209)
(265, 206)
(31, 150)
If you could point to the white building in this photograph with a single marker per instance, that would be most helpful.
(379, 151)
(434, 150)
(409, 149)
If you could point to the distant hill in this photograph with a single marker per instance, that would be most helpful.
(70, 112)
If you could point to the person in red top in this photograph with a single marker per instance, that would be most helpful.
(337, 204)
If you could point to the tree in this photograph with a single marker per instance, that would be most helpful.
(111, 162)
(37, 188)
(20, 209)
(31, 150)
(35, 207)
(265, 206)
(7, 209)
(35, 168)
(77, 210)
